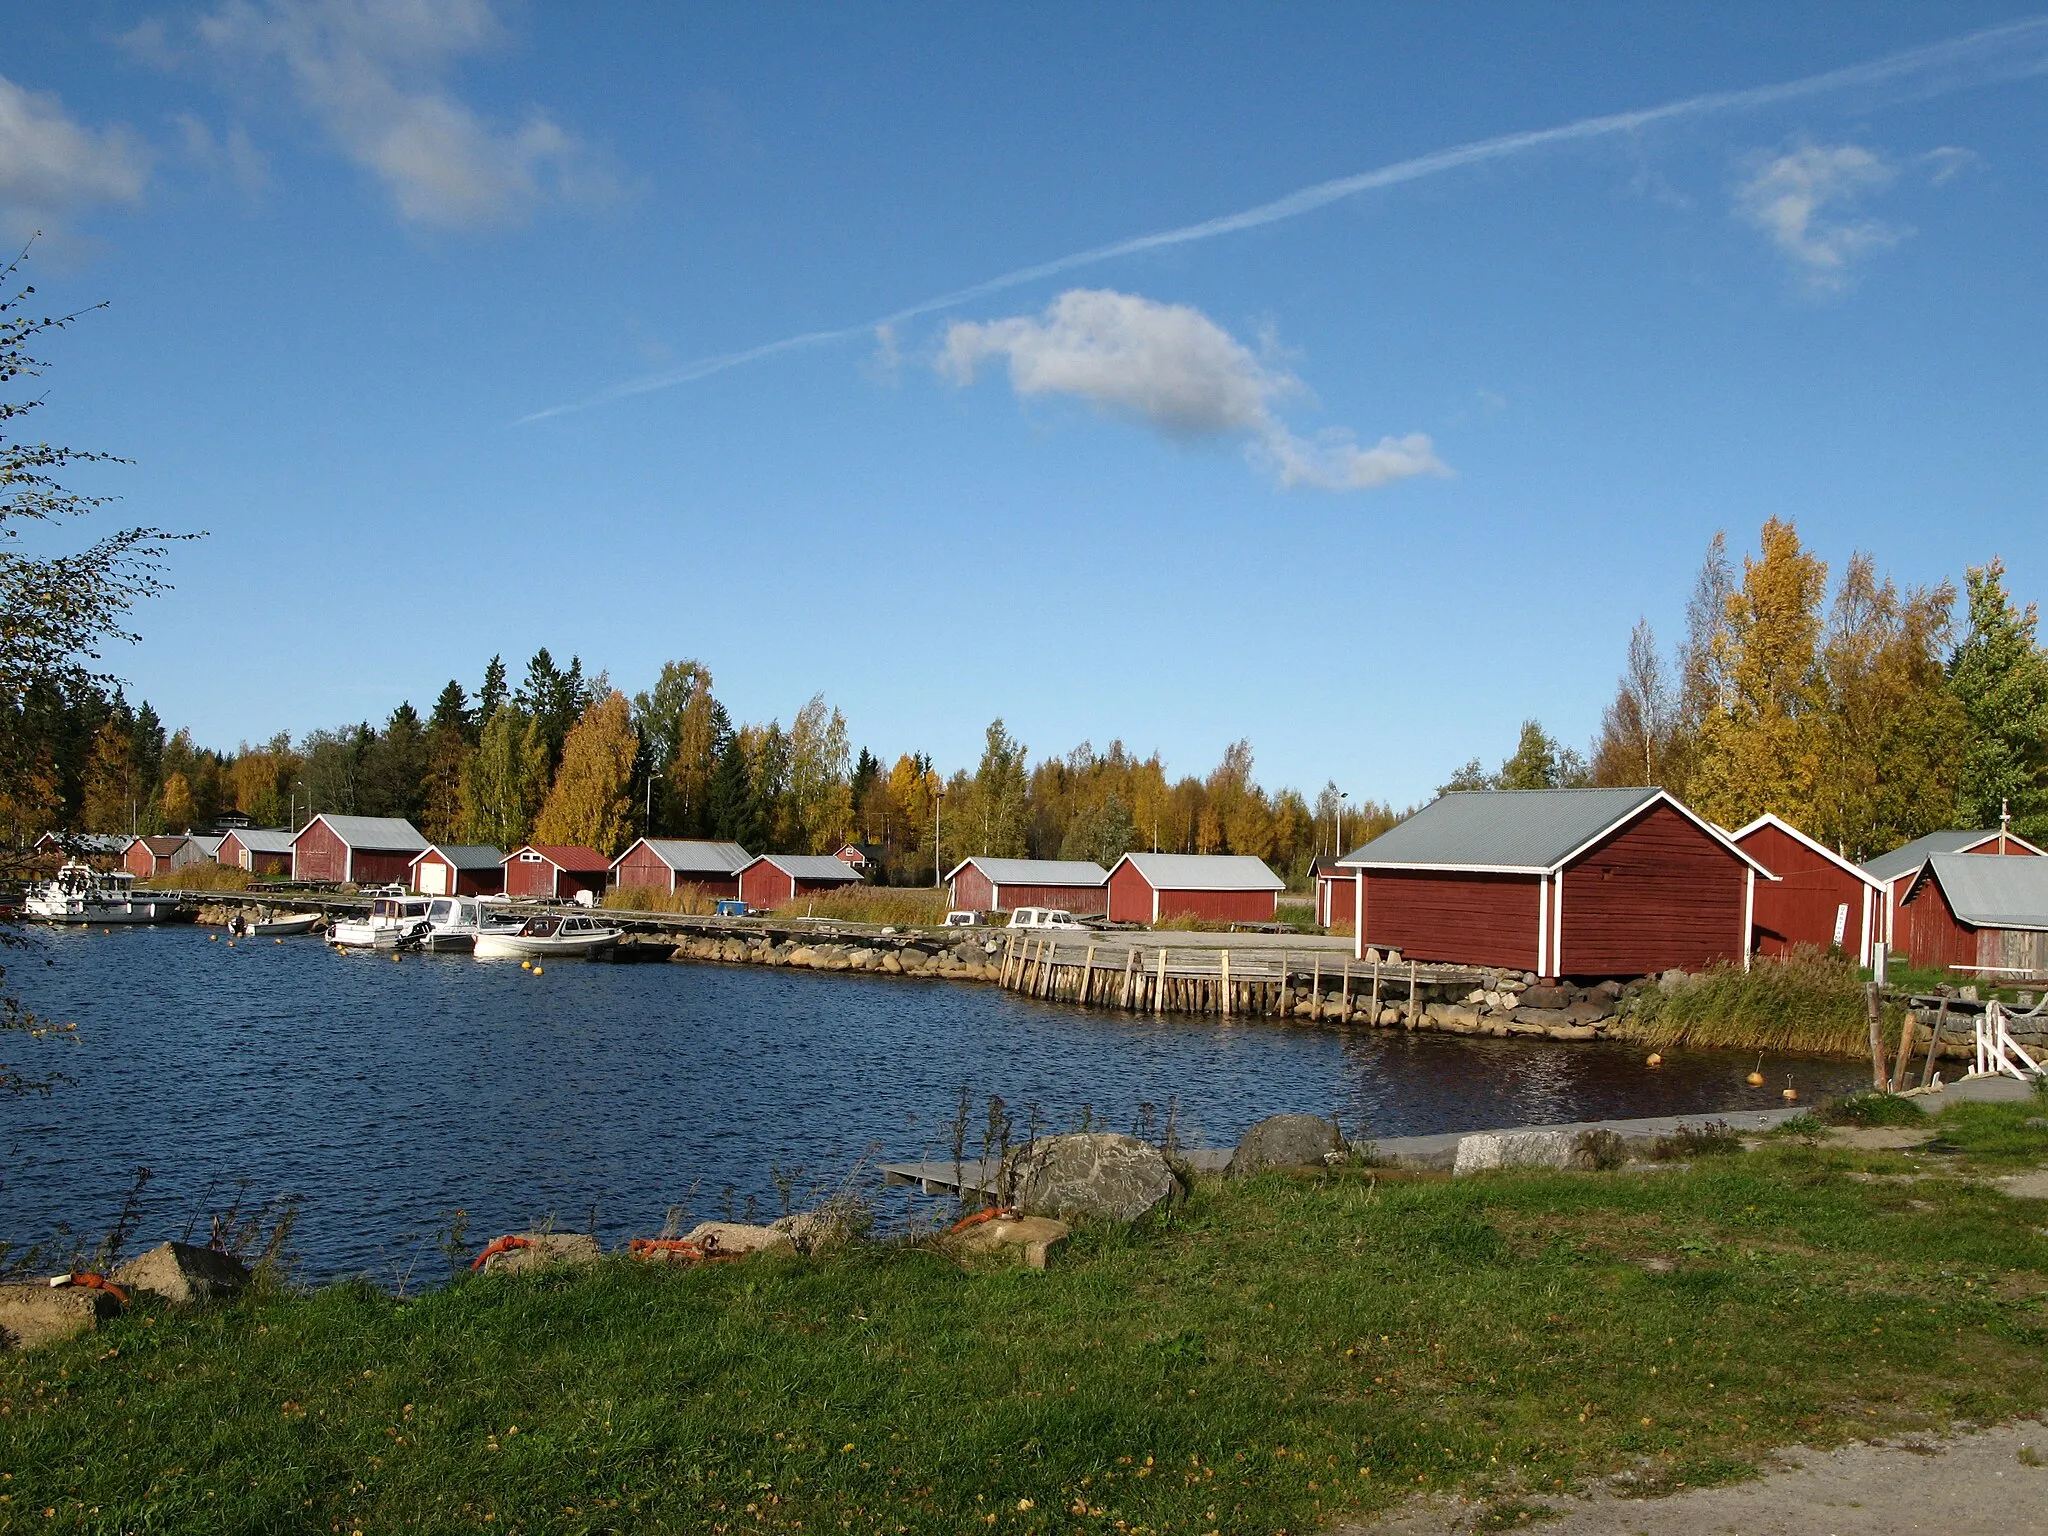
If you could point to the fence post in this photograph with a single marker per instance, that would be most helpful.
(1872, 1006)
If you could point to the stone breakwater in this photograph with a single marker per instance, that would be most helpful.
(973, 959)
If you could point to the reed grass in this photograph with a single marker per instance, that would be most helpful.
(684, 900)
(1805, 1001)
(900, 906)
(201, 877)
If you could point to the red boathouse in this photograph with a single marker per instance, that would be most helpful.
(774, 878)
(982, 884)
(1819, 897)
(261, 851)
(1217, 887)
(458, 869)
(669, 864)
(1558, 882)
(1966, 913)
(1901, 867)
(369, 850)
(555, 871)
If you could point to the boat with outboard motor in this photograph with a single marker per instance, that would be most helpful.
(82, 894)
(393, 920)
(551, 936)
(456, 921)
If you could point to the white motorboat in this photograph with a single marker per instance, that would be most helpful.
(456, 921)
(551, 937)
(285, 927)
(393, 920)
(81, 894)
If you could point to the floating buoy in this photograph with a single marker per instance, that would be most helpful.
(536, 970)
(1653, 1060)
(277, 941)
(395, 959)
(231, 943)
(213, 938)
(1756, 1078)
(526, 965)
(1791, 1094)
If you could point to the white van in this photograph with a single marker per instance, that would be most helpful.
(1044, 917)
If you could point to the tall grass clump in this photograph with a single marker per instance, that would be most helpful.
(1802, 1001)
(201, 877)
(897, 905)
(684, 900)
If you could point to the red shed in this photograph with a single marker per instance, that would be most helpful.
(1336, 892)
(1219, 887)
(983, 884)
(1901, 867)
(458, 869)
(1819, 897)
(148, 856)
(668, 864)
(1966, 913)
(261, 851)
(774, 878)
(1560, 882)
(555, 871)
(369, 850)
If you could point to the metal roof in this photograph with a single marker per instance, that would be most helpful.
(263, 839)
(1036, 871)
(164, 844)
(89, 842)
(686, 855)
(573, 857)
(1515, 830)
(464, 855)
(1994, 892)
(812, 866)
(1204, 872)
(385, 834)
(1905, 860)
(208, 843)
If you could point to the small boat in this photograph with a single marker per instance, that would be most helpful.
(292, 923)
(551, 938)
(81, 894)
(393, 920)
(456, 921)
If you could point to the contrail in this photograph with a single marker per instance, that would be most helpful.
(1975, 58)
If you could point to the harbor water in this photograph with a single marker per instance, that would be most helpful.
(386, 1096)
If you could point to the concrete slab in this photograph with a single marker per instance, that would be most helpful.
(1441, 1150)
(1973, 1090)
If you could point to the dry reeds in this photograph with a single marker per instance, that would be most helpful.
(201, 877)
(685, 900)
(896, 905)
(1801, 1002)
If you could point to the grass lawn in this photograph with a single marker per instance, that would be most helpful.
(1279, 1353)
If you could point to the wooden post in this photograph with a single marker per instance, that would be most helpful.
(1375, 992)
(1159, 990)
(1009, 953)
(1088, 974)
(1344, 1005)
(1934, 1043)
(1130, 965)
(1905, 1058)
(1411, 995)
(1225, 973)
(1315, 1008)
(1873, 1007)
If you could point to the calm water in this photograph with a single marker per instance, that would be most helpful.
(387, 1095)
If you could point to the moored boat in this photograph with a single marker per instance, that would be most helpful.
(392, 921)
(81, 894)
(284, 927)
(550, 937)
(456, 921)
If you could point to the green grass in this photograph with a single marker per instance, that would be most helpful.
(1280, 1353)
(1802, 1002)
(1873, 1108)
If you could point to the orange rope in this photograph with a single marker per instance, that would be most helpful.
(498, 1245)
(93, 1282)
(993, 1213)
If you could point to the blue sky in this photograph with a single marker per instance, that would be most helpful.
(409, 298)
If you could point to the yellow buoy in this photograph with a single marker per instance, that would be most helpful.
(277, 941)
(536, 970)
(526, 965)
(394, 959)
(1654, 1059)
(213, 938)
(1756, 1079)
(231, 943)
(1791, 1094)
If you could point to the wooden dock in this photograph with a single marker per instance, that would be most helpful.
(1149, 973)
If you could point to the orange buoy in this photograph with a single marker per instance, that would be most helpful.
(1791, 1094)
(394, 959)
(1653, 1060)
(1756, 1079)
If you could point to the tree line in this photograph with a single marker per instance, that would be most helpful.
(1866, 716)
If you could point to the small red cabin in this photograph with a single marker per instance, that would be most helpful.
(1819, 897)
(1217, 887)
(1557, 882)
(367, 850)
(148, 856)
(668, 864)
(555, 871)
(261, 851)
(1969, 914)
(980, 884)
(1901, 867)
(458, 869)
(774, 878)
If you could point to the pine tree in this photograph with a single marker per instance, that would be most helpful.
(492, 693)
(451, 712)
(395, 767)
(2000, 677)
(728, 799)
(590, 805)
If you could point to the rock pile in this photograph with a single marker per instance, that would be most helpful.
(1089, 1176)
(892, 955)
(1504, 1003)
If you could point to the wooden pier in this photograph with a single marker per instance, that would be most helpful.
(1147, 973)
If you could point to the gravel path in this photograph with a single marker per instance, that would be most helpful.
(1992, 1482)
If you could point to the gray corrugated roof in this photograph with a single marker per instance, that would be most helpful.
(1036, 871)
(812, 866)
(1205, 872)
(695, 857)
(386, 834)
(1903, 861)
(1993, 892)
(207, 842)
(1522, 829)
(469, 855)
(264, 839)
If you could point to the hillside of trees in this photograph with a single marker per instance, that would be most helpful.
(1866, 715)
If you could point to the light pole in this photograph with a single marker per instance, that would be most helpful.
(938, 794)
(1342, 796)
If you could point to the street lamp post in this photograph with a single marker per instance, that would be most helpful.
(938, 794)
(1342, 796)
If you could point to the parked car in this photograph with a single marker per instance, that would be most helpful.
(1044, 917)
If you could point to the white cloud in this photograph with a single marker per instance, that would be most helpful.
(1173, 369)
(372, 73)
(1803, 199)
(51, 166)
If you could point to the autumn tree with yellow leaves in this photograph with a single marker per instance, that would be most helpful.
(590, 804)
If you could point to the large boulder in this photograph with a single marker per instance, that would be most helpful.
(36, 1313)
(183, 1274)
(1100, 1176)
(831, 1226)
(1285, 1141)
(738, 1239)
(1026, 1240)
(1583, 1150)
(1546, 997)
